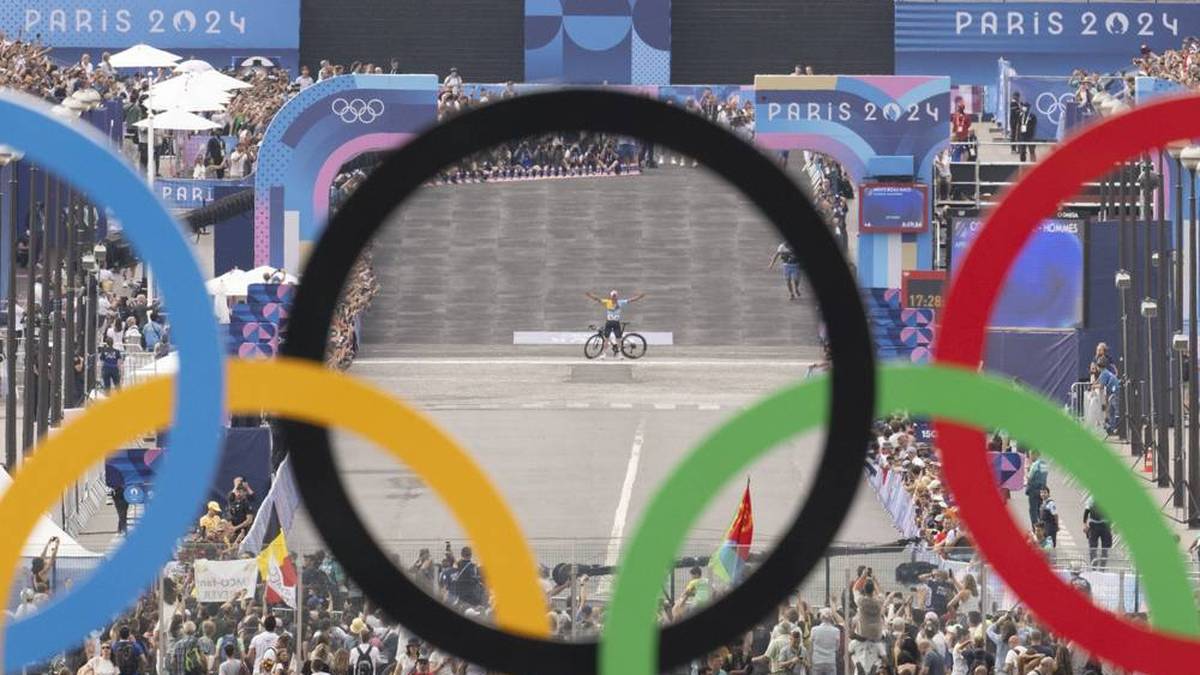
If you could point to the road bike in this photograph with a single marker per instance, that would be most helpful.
(632, 345)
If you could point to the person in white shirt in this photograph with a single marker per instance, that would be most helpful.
(453, 81)
(237, 161)
(85, 62)
(101, 664)
(265, 640)
(365, 658)
(304, 79)
(825, 641)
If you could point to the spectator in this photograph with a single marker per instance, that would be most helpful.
(128, 654)
(264, 642)
(1036, 477)
(960, 131)
(110, 365)
(304, 80)
(364, 658)
(453, 82)
(826, 642)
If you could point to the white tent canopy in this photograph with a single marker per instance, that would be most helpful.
(143, 56)
(237, 282)
(44, 531)
(178, 120)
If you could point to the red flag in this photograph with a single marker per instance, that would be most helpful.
(741, 532)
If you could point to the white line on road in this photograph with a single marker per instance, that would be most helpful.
(577, 406)
(664, 406)
(709, 406)
(622, 406)
(618, 528)
(562, 361)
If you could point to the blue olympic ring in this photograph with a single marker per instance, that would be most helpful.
(80, 155)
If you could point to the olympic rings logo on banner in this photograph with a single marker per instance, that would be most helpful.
(357, 110)
(1052, 106)
(306, 394)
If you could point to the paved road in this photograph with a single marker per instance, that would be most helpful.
(578, 449)
(471, 264)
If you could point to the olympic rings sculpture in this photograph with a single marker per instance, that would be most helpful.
(357, 110)
(309, 395)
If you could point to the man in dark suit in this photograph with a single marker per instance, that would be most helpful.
(1026, 130)
(1014, 117)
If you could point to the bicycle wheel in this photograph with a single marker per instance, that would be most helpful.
(593, 346)
(633, 346)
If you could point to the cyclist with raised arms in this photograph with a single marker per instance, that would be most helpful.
(612, 314)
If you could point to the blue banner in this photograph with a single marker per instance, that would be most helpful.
(1049, 100)
(613, 41)
(893, 208)
(1045, 287)
(166, 24)
(185, 193)
(964, 39)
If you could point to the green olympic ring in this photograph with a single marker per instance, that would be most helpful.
(629, 643)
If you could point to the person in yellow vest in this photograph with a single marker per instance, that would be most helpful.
(696, 594)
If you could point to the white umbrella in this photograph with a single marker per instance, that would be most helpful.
(181, 85)
(143, 56)
(258, 62)
(178, 120)
(216, 80)
(197, 101)
(193, 66)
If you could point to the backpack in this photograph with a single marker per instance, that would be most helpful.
(224, 640)
(194, 662)
(363, 664)
(125, 657)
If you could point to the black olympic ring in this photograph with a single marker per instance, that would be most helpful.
(406, 170)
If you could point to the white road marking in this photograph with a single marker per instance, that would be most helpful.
(709, 406)
(664, 406)
(577, 406)
(531, 406)
(618, 529)
(564, 361)
(622, 406)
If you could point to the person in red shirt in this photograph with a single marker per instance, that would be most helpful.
(960, 131)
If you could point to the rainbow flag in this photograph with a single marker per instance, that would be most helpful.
(730, 558)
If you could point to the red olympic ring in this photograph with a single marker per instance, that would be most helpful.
(975, 288)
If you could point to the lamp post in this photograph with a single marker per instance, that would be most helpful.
(1127, 250)
(1175, 150)
(1156, 438)
(30, 386)
(9, 157)
(1191, 159)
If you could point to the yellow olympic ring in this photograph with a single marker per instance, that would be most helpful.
(309, 393)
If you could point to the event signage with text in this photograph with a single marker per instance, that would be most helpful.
(964, 39)
(184, 193)
(893, 207)
(1044, 289)
(221, 580)
(167, 24)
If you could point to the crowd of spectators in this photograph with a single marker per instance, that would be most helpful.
(361, 289)
(1177, 65)
(832, 190)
